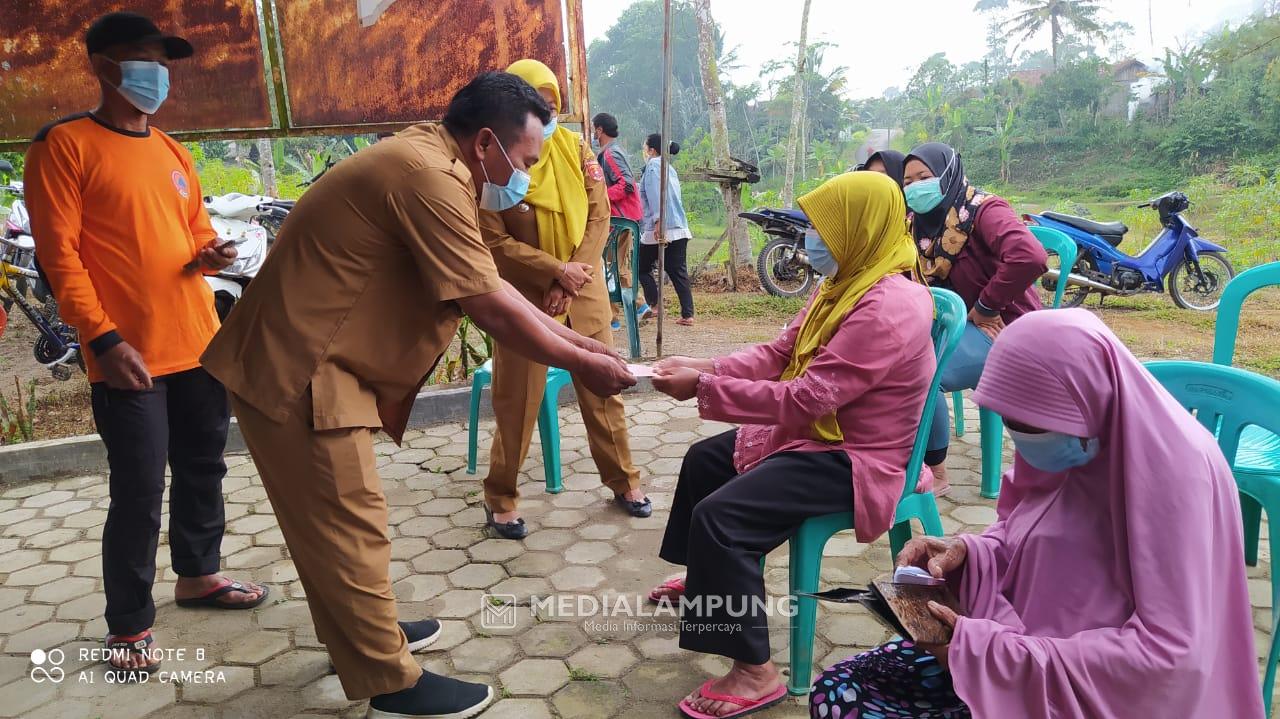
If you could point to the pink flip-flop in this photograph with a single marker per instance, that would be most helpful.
(749, 706)
(676, 585)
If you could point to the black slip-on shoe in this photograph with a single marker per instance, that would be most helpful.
(506, 530)
(421, 635)
(635, 509)
(433, 697)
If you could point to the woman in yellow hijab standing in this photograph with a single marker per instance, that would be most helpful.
(827, 412)
(550, 247)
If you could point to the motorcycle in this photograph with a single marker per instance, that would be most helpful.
(243, 220)
(1196, 270)
(783, 264)
(21, 249)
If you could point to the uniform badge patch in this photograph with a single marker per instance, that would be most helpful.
(180, 182)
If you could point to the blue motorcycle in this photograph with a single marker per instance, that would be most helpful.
(1196, 270)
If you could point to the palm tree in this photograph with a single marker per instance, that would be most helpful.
(1079, 15)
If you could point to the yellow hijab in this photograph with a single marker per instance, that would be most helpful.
(861, 216)
(557, 189)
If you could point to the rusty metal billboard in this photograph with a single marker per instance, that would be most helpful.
(283, 67)
(408, 64)
(44, 71)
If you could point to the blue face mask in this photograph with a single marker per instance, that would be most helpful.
(550, 129)
(924, 195)
(144, 83)
(497, 198)
(1054, 451)
(819, 255)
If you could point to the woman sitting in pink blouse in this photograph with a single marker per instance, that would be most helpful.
(828, 413)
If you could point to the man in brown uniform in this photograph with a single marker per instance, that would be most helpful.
(363, 291)
(550, 248)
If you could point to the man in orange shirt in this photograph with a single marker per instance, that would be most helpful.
(122, 234)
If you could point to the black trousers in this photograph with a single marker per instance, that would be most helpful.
(183, 419)
(676, 266)
(722, 523)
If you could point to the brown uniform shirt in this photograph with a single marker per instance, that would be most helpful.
(512, 235)
(357, 298)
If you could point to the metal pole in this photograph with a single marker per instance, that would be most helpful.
(660, 232)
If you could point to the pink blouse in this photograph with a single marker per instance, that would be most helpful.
(873, 373)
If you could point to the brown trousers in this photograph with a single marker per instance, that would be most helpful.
(518, 385)
(328, 499)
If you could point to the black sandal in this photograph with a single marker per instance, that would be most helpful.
(128, 645)
(210, 600)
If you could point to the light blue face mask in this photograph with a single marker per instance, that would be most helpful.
(497, 198)
(925, 195)
(144, 83)
(1054, 451)
(550, 129)
(819, 255)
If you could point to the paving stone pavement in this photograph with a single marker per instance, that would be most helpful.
(268, 663)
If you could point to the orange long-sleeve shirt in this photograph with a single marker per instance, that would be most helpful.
(116, 215)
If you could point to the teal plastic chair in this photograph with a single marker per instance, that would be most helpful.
(1229, 401)
(809, 542)
(991, 426)
(548, 422)
(1259, 453)
(618, 293)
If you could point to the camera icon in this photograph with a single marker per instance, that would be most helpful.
(498, 611)
(48, 666)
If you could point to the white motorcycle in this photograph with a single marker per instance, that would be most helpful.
(240, 219)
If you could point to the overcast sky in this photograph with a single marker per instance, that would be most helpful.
(866, 34)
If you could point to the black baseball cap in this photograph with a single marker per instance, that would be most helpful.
(129, 28)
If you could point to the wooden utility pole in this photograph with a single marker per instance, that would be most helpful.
(660, 232)
(730, 192)
(267, 167)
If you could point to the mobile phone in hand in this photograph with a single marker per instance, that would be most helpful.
(217, 248)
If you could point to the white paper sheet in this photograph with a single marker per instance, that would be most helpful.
(640, 370)
(370, 10)
(915, 575)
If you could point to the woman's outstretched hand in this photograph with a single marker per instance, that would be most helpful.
(672, 363)
(937, 556)
(679, 383)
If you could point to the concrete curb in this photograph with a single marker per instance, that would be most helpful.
(84, 455)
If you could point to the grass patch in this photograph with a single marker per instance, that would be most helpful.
(582, 675)
(749, 306)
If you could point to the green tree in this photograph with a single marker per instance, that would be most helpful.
(1082, 16)
(624, 70)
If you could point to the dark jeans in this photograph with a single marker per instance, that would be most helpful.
(722, 523)
(183, 418)
(676, 266)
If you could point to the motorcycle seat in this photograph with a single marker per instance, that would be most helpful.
(234, 204)
(795, 214)
(1112, 232)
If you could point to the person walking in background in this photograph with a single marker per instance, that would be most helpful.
(973, 243)
(675, 264)
(123, 237)
(624, 197)
(552, 255)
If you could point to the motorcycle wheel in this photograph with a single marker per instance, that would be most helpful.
(781, 274)
(1074, 296)
(1189, 293)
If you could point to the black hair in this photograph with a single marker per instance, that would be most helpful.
(607, 123)
(654, 141)
(499, 101)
